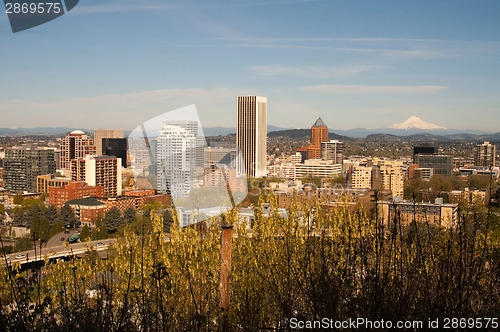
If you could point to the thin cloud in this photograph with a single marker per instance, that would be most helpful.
(374, 89)
(121, 110)
(392, 48)
(122, 8)
(161, 6)
(311, 71)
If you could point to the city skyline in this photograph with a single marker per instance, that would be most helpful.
(380, 61)
(251, 135)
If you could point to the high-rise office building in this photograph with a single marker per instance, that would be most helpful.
(333, 150)
(442, 164)
(176, 161)
(251, 134)
(22, 165)
(485, 155)
(100, 134)
(103, 171)
(424, 150)
(319, 134)
(116, 147)
(76, 145)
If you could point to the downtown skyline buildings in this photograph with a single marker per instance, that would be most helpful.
(251, 135)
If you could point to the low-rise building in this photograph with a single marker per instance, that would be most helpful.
(437, 213)
(479, 170)
(11, 198)
(317, 168)
(468, 196)
(87, 210)
(424, 173)
(44, 182)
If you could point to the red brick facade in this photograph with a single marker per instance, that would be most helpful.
(73, 190)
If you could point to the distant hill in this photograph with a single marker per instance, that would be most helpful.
(383, 138)
(301, 133)
(293, 133)
(216, 131)
(39, 131)
(380, 134)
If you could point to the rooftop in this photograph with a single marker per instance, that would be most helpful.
(319, 123)
(87, 201)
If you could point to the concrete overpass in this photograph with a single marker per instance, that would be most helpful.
(28, 257)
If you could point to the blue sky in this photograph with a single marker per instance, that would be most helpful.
(366, 64)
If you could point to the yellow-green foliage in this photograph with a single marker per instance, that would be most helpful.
(315, 263)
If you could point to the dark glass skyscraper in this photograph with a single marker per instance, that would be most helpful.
(116, 147)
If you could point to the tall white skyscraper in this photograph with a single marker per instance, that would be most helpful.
(192, 127)
(176, 160)
(251, 134)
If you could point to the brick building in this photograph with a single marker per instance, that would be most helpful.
(87, 210)
(73, 190)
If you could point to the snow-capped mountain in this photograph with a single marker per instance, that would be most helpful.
(416, 123)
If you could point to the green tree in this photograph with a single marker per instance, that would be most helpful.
(479, 181)
(35, 220)
(18, 199)
(147, 208)
(100, 232)
(309, 178)
(24, 243)
(168, 220)
(85, 233)
(113, 219)
(20, 217)
(67, 216)
(56, 227)
(440, 183)
(44, 229)
(129, 215)
(28, 203)
(51, 214)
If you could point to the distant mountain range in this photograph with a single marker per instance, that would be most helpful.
(215, 131)
(413, 128)
(40, 131)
